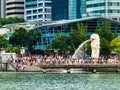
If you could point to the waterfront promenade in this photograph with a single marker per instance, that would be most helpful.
(49, 63)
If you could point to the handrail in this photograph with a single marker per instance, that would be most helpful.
(16, 69)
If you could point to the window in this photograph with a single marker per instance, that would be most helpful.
(28, 12)
(34, 11)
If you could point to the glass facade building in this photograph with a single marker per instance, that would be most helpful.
(49, 31)
(82, 8)
(68, 9)
(59, 9)
(105, 8)
(74, 9)
(37, 10)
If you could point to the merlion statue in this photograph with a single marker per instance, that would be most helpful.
(95, 46)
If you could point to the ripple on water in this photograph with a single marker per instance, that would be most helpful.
(40, 81)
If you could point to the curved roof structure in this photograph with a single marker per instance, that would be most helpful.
(61, 22)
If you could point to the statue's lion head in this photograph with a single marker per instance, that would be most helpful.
(94, 37)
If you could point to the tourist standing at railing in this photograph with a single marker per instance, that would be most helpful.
(59, 60)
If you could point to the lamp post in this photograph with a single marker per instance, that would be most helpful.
(37, 48)
(22, 51)
(67, 53)
(56, 51)
(2, 50)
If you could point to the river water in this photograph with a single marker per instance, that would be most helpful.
(54, 81)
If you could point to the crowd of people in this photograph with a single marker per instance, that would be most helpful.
(23, 62)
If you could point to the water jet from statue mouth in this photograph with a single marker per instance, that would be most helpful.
(95, 46)
(79, 52)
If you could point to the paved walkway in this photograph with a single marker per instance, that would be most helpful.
(32, 69)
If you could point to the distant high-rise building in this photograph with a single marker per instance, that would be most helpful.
(74, 9)
(37, 10)
(68, 9)
(14, 8)
(59, 9)
(82, 8)
(104, 8)
(2, 8)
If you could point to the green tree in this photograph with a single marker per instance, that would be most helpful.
(60, 42)
(3, 41)
(115, 44)
(8, 49)
(78, 36)
(16, 49)
(48, 50)
(0, 24)
(22, 37)
(33, 37)
(19, 37)
(2, 21)
(104, 47)
(106, 35)
(105, 31)
(11, 20)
